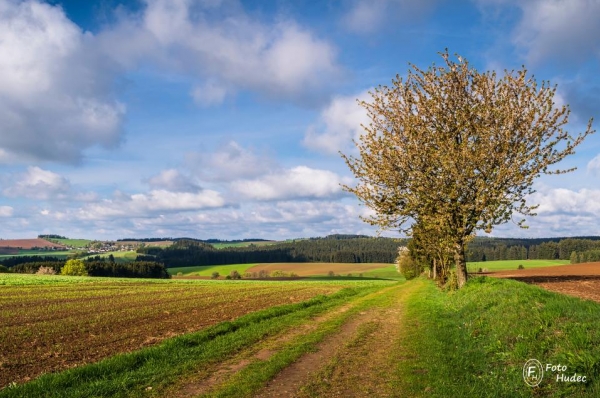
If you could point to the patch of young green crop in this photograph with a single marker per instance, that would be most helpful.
(475, 342)
(119, 256)
(505, 265)
(50, 253)
(388, 272)
(160, 366)
(79, 243)
(207, 270)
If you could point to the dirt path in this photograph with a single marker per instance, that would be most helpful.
(355, 362)
(209, 378)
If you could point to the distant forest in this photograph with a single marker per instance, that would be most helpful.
(334, 248)
(492, 249)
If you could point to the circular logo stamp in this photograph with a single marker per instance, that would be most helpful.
(533, 372)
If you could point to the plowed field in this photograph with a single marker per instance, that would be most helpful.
(579, 280)
(27, 243)
(46, 328)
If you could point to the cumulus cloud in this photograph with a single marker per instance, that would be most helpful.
(229, 162)
(593, 165)
(172, 180)
(339, 123)
(6, 211)
(221, 46)
(210, 93)
(566, 201)
(298, 182)
(151, 204)
(56, 91)
(563, 30)
(39, 184)
(367, 16)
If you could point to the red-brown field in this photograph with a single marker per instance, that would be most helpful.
(46, 328)
(579, 280)
(27, 243)
(308, 269)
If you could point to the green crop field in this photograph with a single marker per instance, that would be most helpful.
(207, 270)
(49, 253)
(512, 264)
(120, 256)
(78, 243)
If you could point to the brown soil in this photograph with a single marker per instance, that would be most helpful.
(52, 328)
(579, 280)
(26, 244)
(307, 269)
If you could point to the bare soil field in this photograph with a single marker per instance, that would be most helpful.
(27, 243)
(308, 269)
(46, 328)
(579, 280)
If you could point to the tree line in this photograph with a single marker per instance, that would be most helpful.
(94, 266)
(493, 249)
(185, 253)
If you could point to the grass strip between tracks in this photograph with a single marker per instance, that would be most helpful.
(130, 375)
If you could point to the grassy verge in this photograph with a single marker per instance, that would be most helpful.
(506, 265)
(475, 342)
(160, 366)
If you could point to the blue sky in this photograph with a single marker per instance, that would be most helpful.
(223, 119)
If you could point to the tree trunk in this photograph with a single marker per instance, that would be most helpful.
(435, 276)
(461, 264)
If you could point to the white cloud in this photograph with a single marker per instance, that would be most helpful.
(566, 201)
(564, 30)
(6, 211)
(221, 43)
(56, 92)
(150, 204)
(339, 123)
(229, 162)
(593, 165)
(172, 180)
(368, 16)
(39, 184)
(298, 182)
(210, 93)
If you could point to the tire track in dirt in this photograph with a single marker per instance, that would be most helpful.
(210, 378)
(351, 363)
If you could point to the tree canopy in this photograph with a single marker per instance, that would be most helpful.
(459, 149)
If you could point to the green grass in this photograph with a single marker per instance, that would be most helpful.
(388, 272)
(253, 377)
(475, 342)
(207, 270)
(79, 243)
(505, 265)
(161, 366)
(49, 253)
(120, 256)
